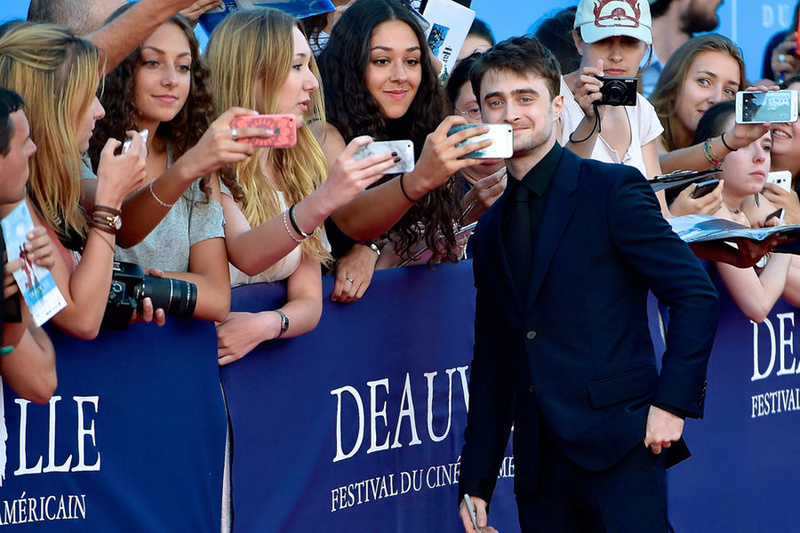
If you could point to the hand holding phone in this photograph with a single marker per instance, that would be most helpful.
(757, 107)
(705, 187)
(778, 214)
(502, 138)
(127, 144)
(404, 150)
(283, 127)
(782, 178)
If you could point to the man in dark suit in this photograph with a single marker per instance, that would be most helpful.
(563, 264)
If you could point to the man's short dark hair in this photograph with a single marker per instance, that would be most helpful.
(10, 102)
(521, 55)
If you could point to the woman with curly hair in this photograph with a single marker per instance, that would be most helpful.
(57, 74)
(379, 81)
(261, 59)
(162, 87)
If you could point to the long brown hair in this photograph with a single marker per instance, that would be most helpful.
(184, 130)
(668, 89)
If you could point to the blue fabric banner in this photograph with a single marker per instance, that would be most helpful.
(132, 440)
(358, 425)
(744, 468)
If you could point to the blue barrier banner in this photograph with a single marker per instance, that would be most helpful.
(743, 473)
(355, 426)
(132, 440)
(358, 425)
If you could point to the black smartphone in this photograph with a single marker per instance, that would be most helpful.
(705, 187)
(778, 213)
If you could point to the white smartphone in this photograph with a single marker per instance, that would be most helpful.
(404, 149)
(127, 144)
(783, 178)
(502, 137)
(756, 107)
(472, 513)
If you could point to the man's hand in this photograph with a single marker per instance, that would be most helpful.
(480, 511)
(663, 428)
(199, 8)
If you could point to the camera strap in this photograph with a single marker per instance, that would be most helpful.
(597, 126)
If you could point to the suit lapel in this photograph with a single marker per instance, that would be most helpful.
(557, 214)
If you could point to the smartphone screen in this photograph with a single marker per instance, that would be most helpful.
(771, 106)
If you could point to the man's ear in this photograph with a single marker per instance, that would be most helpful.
(558, 106)
(578, 40)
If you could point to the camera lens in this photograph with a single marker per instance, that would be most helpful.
(174, 296)
(615, 92)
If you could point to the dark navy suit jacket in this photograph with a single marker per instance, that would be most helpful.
(577, 354)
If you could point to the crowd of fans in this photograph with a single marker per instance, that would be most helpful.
(196, 200)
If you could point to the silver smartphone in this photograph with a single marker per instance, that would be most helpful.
(404, 149)
(127, 144)
(502, 138)
(756, 107)
(782, 178)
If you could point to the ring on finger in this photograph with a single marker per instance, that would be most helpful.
(782, 58)
(351, 280)
(235, 134)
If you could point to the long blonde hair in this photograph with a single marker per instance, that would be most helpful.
(254, 49)
(57, 74)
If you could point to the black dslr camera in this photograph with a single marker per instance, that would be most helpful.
(618, 91)
(129, 286)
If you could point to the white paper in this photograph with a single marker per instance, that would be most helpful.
(36, 284)
(449, 27)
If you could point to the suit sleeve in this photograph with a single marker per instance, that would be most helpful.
(490, 398)
(677, 279)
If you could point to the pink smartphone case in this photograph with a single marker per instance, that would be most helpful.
(284, 128)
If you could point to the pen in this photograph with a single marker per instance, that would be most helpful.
(472, 513)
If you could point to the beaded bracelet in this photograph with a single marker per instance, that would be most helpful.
(710, 155)
(286, 225)
(161, 202)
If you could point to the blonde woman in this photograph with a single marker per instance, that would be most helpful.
(57, 74)
(260, 59)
